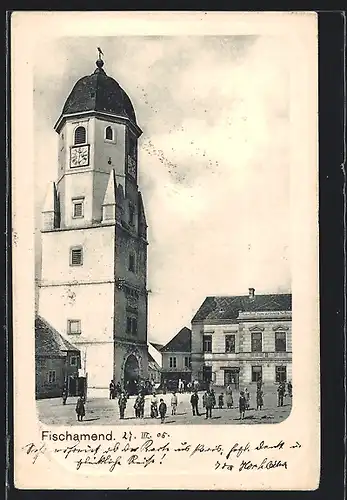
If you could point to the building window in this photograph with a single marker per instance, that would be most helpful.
(73, 361)
(256, 342)
(257, 373)
(187, 361)
(76, 256)
(132, 262)
(207, 373)
(74, 326)
(52, 377)
(131, 325)
(172, 361)
(230, 343)
(80, 135)
(207, 343)
(77, 208)
(109, 133)
(131, 215)
(280, 342)
(281, 374)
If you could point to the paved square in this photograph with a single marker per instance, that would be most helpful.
(106, 412)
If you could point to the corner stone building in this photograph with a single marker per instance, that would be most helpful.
(93, 286)
(241, 339)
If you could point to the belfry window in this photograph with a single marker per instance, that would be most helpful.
(80, 135)
(109, 133)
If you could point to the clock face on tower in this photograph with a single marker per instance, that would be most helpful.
(79, 156)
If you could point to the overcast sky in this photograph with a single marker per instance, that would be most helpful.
(213, 164)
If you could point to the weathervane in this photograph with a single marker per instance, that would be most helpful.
(100, 52)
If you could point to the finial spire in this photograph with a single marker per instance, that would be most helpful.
(99, 62)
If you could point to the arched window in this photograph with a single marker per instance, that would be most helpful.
(80, 135)
(109, 133)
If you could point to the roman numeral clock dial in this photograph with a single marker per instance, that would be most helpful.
(79, 156)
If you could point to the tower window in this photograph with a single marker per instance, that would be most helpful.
(80, 135)
(109, 133)
(76, 256)
(132, 263)
(132, 325)
(73, 327)
(51, 377)
(78, 208)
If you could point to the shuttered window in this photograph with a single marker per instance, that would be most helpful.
(76, 256)
(80, 135)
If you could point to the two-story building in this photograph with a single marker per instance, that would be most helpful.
(176, 356)
(243, 339)
(57, 363)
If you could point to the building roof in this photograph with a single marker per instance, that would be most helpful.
(99, 92)
(228, 308)
(182, 342)
(49, 342)
(156, 346)
(153, 364)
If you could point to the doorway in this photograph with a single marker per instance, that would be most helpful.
(131, 375)
(232, 377)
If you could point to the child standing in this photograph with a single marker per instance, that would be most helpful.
(221, 400)
(162, 410)
(247, 397)
(173, 403)
(242, 405)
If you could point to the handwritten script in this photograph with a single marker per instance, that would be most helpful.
(144, 449)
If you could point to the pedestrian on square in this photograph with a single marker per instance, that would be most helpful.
(137, 406)
(162, 410)
(154, 406)
(112, 389)
(260, 399)
(122, 403)
(209, 404)
(290, 389)
(196, 385)
(213, 398)
(221, 401)
(142, 405)
(80, 408)
(174, 403)
(204, 400)
(242, 405)
(64, 395)
(194, 401)
(247, 397)
(281, 394)
(229, 396)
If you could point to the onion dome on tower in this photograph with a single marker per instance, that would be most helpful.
(98, 93)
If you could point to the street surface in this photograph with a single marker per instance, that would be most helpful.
(106, 412)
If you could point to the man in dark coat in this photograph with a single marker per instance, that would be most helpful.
(280, 391)
(122, 403)
(80, 408)
(112, 389)
(194, 401)
(209, 404)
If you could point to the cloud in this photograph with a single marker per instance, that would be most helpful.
(214, 159)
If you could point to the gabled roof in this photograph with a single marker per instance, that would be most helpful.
(228, 308)
(156, 346)
(182, 342)
(49, 342)
(153, 364)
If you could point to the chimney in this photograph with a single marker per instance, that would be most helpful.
(251, 292)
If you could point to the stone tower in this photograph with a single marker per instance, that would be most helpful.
(93, 287)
